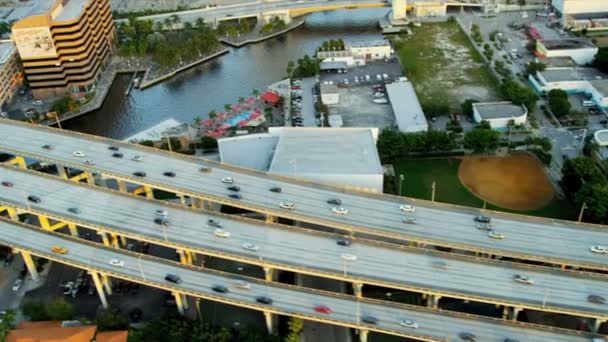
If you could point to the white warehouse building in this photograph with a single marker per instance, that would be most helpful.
(406, 107)
(588, 81)
(498, 114)
(577, 10)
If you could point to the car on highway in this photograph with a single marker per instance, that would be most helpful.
(482, 219)
(495, 235)
(47, 147)
(117, 155)
(264, 300)
(228, 180)
(161, 212)
(599, 249)
(409, 220)
(7, 184)
(162, 221)
(89, 161)
(344, 242)
(234, 188)
(467, 336)
(205, 169)
(59, 250)
(169, 174)
(113, 148)
(243, 285)
(276, 189)
(214, 223)
(339, 210)
(408, 323)
(349, 257)
(117, 263)
(334, 201)
(33, 198)
(524, 279)
(369, 319)
(407, 208)
(322, 309)
(592, 298)
(139, 174)
(173, 278)
(221, 233)
(513, 340)
(441, 265)
(79, 154)
(287, 205)
(74, 210)
(220, 288)
(484, 226)
(235, 196)
(17, 284)
(250, 246)
(137, 158)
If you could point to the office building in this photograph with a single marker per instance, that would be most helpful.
(10, 71)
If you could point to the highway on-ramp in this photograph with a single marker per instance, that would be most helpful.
(306, 251)
(434, 325)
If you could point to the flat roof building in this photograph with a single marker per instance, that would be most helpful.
(64, 45)
(406, 107)
(499, 114)
(345, 157)
(11, 76)
(581, 51)
(588, 81)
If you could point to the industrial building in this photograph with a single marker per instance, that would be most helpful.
(11, 76)
(588, 81)
(499, 114)
(406, 107)
(581, 51)
(355, 54)
(64, 45)
(345, 157)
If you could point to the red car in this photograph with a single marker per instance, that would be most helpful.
(7, 184)
(322, 309)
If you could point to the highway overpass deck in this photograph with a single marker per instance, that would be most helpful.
(434, 325)
(530, 238)
(306, 251)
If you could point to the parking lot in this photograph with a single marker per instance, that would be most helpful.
(390, 67)
(358, 110)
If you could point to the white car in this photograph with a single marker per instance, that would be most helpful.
(228, 180)
(221, 233)
(136, 158)
(287, 205)
(117, 263)
(409, 220)
(17, 284)
(349, 257)
(242, 285)
(524, 279)
(408, 323)
(89, 162)
(407, 208)
(79, 154)
(250, 246)
(161, 212)
(599, 249)
(339, 210)
(494, 235)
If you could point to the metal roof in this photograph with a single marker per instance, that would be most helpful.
(499, 110)
(406, 106)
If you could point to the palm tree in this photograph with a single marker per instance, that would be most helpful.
(159, 26)
(168, 23)
(227, 107)
(175, 19)
(188, 26)
(241, 99)
(212, 115)
(200, 23)
(255, 92)
(197, 120)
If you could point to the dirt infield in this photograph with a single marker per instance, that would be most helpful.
(514, 182)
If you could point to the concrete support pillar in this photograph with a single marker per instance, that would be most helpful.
(123, 240)
(505, 312)
(99, 287)
(514, 313)
(104, 238)
(184, 257)
(31, 266)
(89, 177)
(179, 302)
(595, 325)
(73, 229)
(114, 240)
(149, 192)
(185, 301)
(269, 318)
(358, 289)
(432, 301)
(399, 9)
(363, 335)
(44, 222)
(268, 273)
(270, 219)
(12, 213)
(182, 200)
(107, 283)
(122, 186)
(61, 171)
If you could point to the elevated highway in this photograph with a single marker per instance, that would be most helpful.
(434, 325)
(529, 238)
(433, 274)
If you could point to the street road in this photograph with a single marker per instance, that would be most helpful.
(287, 300)
(307, 251)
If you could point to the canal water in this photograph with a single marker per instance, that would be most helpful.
(222, 81)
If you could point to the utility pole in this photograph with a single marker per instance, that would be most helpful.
(400, 182)
(433, 192)
(580, 215)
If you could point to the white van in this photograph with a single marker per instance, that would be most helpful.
(587, 103)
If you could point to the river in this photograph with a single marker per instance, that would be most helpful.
(212, 85)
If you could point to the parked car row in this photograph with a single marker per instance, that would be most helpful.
(379, 94)
(296, 102)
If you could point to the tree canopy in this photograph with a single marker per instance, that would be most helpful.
(579, 171)
(601, 59)
(392, 143)
(482, 140)
(518, 94)
(558, 102)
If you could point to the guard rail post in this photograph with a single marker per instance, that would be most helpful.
(99, 287)
(31, 266)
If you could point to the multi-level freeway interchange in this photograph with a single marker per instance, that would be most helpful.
(304, 251)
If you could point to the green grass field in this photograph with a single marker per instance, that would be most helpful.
(419, 175)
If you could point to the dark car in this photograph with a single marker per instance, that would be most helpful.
(162, 221)
(173, 278)
(465, 336)
(113, 148)
(235, 196)
(140, 174)
(596, 299)
(482, 219)
(74, 210)
(510, 340)
(205, 169)
(344, 242)
(276, 189)
(47, 147)
(335, 201)
(33, 198)
(117, 155)
(369, 319)
(7, 184)
(169, 174)
(234, 188)
(264, 300)
(214, 223)
(220, 288)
